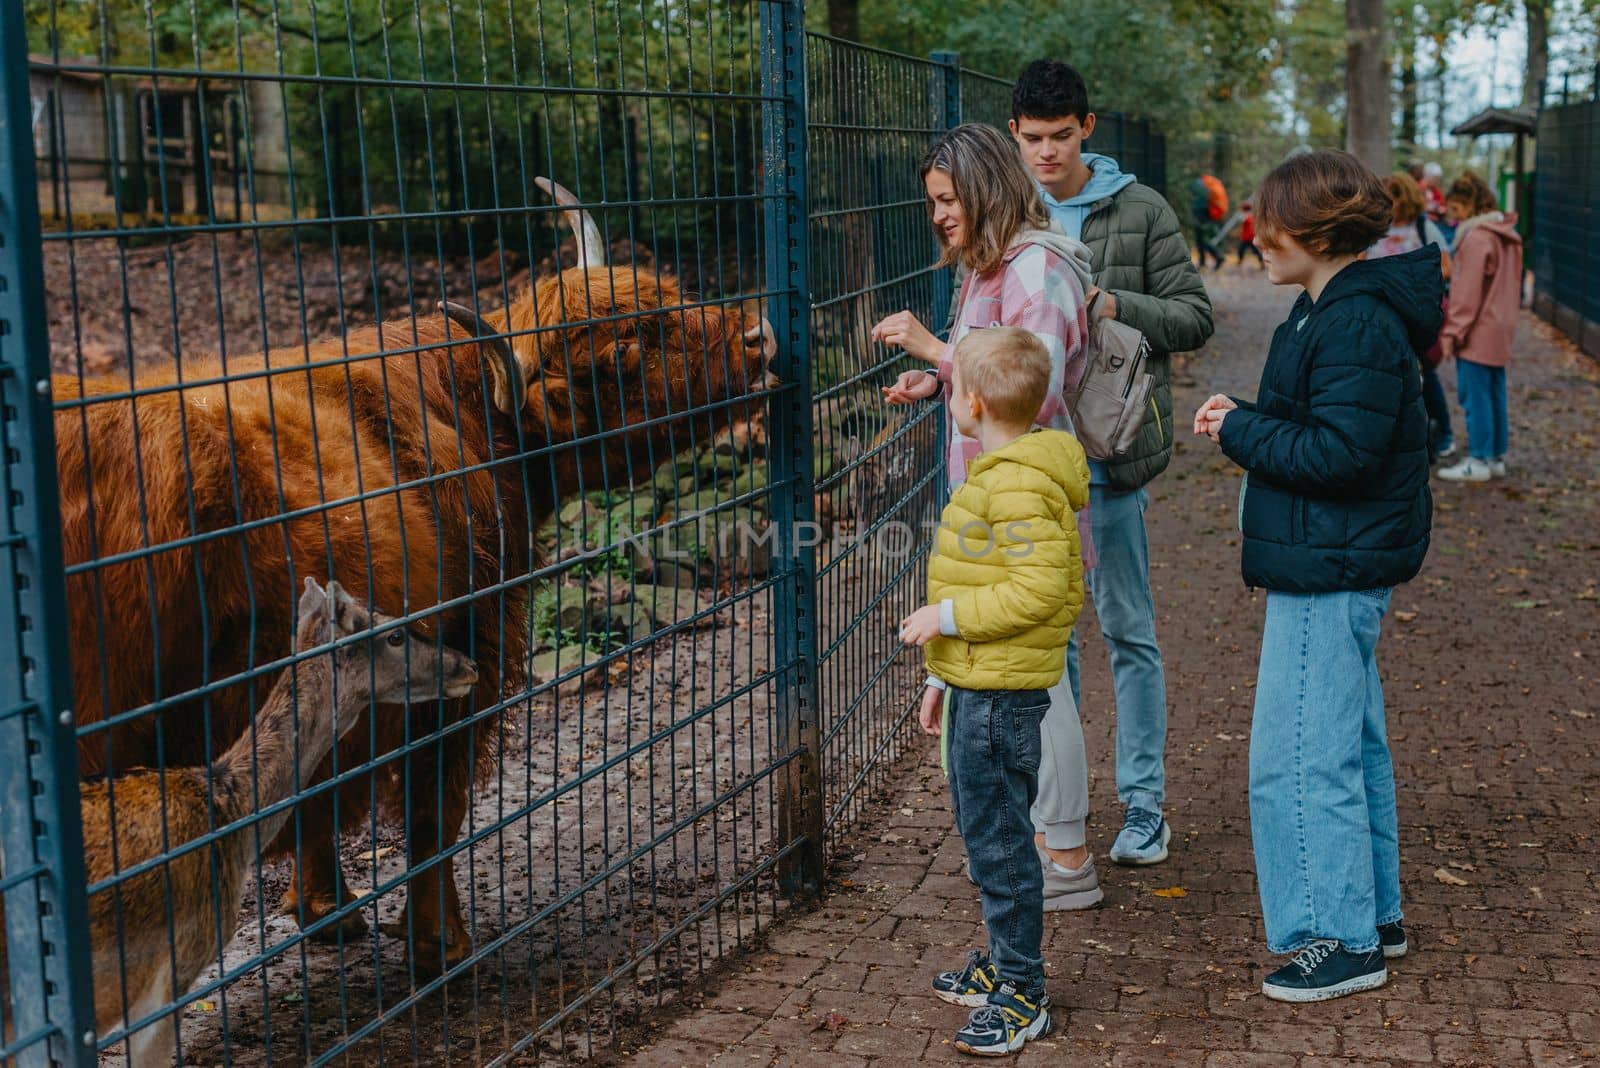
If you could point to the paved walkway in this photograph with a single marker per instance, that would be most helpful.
(1490, 662)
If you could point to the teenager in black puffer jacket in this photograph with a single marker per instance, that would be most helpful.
(1335, 513)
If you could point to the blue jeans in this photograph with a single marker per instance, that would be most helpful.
(1322, 807)
(1440, 435)
(994, 778)
(1483, 395)
(1120, 586)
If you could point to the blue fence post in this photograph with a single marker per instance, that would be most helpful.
(41, 836)
(946, 95)
(783, 134)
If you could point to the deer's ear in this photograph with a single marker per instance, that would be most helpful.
(313, 599)
(316, 612)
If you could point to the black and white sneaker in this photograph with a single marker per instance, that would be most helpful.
(1325, 970)
(1392, 939)
(1005, 1024)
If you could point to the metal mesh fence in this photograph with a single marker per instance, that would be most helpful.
(872, 116)
(277, 822)
(1566, 250)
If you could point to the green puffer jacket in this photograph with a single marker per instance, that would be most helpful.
(1141, 257)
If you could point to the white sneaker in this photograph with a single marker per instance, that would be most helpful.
(1497, 468)
(1471, 469)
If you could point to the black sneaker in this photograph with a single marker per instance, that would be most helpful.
(1392, 939)
(971, 985)
(1324, 970)
(1005, 1024)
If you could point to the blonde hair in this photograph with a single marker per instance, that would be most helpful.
(997, 195)
(1406, 196)
(1009, 368)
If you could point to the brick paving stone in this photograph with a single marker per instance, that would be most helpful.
(1232, 1058)
(1412, 1047)
(1500, 976)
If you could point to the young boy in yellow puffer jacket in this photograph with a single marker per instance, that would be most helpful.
(1005, 584)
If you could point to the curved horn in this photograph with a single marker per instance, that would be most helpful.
(499, 350)
(591, 246)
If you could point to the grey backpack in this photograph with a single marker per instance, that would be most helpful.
(1111, 402)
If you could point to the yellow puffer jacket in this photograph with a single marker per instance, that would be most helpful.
(1007, 557)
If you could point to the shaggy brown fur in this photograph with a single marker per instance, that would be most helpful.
(387, 462)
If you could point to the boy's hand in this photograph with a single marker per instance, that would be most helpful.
(920, 626)
(911, 387)
(1209, 416)
(931, 712)
(906, 330)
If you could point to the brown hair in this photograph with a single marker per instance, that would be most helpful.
(1009, 368)
(1406, 196)
(1326, 201)
(1473, 192)
(997, 194)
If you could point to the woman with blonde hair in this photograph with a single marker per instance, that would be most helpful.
(1411, 229)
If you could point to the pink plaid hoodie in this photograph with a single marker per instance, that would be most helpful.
(1039, 288)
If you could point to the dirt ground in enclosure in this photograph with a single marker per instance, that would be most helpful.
(1489, 662)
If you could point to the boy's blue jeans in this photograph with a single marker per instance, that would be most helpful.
(994, 777)
(1483, 395)
(1120, 586)
(1322, 803)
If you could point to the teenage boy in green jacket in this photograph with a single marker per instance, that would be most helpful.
(1141, 264)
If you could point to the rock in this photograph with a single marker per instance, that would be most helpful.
(568, 659)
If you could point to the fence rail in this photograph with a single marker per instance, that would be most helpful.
(641, 474)
(1566, 256)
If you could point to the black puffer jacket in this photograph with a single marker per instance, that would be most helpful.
(1336, 444)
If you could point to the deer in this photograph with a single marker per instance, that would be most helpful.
(155, 929)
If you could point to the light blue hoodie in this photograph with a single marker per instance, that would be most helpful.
(1105, 179)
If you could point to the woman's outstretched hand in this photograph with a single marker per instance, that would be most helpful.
(911, 387)
(1209, 416)
(906, 330)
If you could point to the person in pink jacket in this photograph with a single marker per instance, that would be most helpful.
(1485, 300)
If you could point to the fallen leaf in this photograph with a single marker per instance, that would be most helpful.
(1133, 990)
(834, 1021)
(1172, 891)
(1448, 879)
(381, 852)
(1461, 866)
(1405, 617)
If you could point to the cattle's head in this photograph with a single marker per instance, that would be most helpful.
(600, 348)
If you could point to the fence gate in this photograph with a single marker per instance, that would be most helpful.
(287, 296)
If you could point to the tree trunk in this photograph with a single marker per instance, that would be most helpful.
(1409, 132)
(1538, 65)
(1368, 121)
(844, 19)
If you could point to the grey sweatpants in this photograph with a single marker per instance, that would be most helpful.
(1062, 807)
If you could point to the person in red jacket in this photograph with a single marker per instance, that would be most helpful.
(1247, 235)
(1481, 326)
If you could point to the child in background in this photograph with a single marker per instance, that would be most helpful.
(1247, 235)
(1005, 584)
(1481, 326)
(1335, 512)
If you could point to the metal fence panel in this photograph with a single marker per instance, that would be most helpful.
(872, 116)
(1565, 262)
(583, 505)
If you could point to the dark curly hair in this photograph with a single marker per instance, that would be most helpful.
(1328, 202)
(1049, 89)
